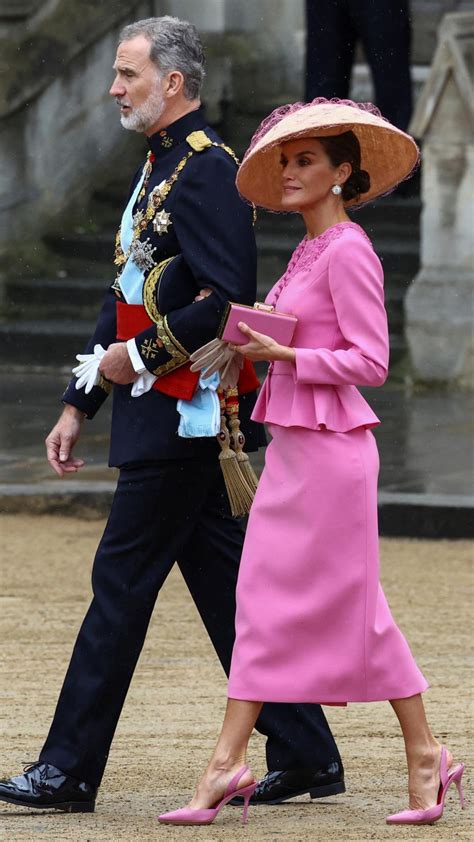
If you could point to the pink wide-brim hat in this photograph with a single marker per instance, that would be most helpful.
(387, 153)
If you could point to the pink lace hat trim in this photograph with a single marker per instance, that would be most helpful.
(285, 110)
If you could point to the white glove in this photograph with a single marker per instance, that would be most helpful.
(87, 372)
(217, 355)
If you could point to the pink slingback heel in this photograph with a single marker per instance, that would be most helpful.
(433, 814)
(186, 815)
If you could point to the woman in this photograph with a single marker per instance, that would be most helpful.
(312, 621)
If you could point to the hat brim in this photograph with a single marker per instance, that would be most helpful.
(388, 154)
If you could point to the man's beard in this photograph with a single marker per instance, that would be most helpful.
(145, 115)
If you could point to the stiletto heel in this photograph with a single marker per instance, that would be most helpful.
(458, 782)
(189, 816)
(247, 802)
(433, 814)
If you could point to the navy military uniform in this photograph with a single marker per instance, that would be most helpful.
(170, 503)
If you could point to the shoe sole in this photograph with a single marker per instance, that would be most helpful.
(317, 792)
(65, 807)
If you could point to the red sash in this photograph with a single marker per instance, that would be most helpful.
(181, 382)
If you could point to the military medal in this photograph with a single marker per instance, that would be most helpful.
(157, 195)
(162, 222)
(138, 219)
(147, 171)
(141, 253)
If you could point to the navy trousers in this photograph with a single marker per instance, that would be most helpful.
(161, 513)
(383, 26)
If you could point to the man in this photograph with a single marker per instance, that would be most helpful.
(184, 230)
(333, 29)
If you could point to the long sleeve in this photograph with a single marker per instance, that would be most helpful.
(104, 334)
(214, 229)
(356, 288)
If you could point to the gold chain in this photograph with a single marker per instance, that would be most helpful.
(143, 218)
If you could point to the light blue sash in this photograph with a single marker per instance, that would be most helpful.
(131, 279)
(200, 417)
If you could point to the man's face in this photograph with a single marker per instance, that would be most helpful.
(137, 86)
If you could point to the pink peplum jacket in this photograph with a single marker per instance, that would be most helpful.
(334, 285)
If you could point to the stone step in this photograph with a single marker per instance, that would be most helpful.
(97, 247)
(106, 206)
(38, 298)
(14, 11)
(45, 342)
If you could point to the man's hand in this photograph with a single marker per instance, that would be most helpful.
(116, 365)
(262, 347)
(203, 293)
(61, 440)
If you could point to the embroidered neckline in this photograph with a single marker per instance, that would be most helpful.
(309, 250)
(340, 226)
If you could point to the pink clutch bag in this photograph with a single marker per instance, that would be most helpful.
(262, 318)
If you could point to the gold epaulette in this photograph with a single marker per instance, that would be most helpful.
(199, 141)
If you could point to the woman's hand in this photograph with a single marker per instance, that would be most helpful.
(262, 347)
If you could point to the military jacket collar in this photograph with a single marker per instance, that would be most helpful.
(162, 142)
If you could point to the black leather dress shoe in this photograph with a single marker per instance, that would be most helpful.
(43, 785)
(276, 787)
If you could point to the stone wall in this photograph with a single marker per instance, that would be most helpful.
(439, 304)
(59, 132)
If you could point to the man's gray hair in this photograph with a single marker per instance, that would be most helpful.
(175, 45)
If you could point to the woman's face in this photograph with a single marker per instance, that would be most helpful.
(307, 174)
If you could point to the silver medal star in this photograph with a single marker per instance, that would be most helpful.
(161, 222)
(142, 254)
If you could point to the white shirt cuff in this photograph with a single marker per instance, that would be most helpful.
(135, 357)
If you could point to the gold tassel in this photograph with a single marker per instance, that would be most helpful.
(238, 443)
(239, 476)
(239, 493)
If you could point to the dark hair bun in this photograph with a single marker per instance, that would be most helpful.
(357, 183)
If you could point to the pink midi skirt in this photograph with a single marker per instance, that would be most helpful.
(312, 621)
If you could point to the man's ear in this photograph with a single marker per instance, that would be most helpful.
(174, 83)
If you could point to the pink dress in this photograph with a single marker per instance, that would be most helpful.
(312, 621)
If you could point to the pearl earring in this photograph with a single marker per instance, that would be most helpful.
(336, 189)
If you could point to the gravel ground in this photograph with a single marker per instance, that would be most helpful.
(175, 703)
